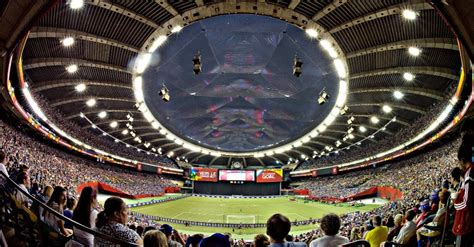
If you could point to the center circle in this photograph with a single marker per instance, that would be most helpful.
(246, 97)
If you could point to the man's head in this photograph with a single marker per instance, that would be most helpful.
(456, 174)
(377, 220)
(278, 227)
(466, 152)
(23, 178)
(167, 230)
(410, 215)
(330, 224)
(216, 240)
(398, 219)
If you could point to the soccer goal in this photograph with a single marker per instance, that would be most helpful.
(238, 219)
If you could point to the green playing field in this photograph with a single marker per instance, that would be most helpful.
(242, 210)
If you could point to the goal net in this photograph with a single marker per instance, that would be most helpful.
(240, 219)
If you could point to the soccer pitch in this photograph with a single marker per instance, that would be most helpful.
(242, 210)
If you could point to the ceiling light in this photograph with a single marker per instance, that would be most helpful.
(125, 131)
(76, 4)
(414, 51)
(340, 68)
(374, 120)
(114, 124)
(170, 154)
(362, 129)
(91, 102)
(116, 140)
(157, 43)
(408, 76)
(409, 14)
(303, 156)
(351, 136)
(176, 29)
(68, 41)
(94, 126)
(398, 95)
(312, 33)
(71, 68)
(104, 134)
(102, 114)
(80, 87)
(387, 109)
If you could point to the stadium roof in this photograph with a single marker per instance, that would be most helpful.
(246, 99)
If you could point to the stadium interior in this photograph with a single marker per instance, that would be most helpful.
(237, 123)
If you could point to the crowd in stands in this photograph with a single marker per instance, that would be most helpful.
(373, 148)
(50, 166)
(94, 137)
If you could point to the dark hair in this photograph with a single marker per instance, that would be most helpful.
(465, 151)
(410, 215)
(330, 224)
(289, 238)
(456, 174)
(20, 177)
(55, 197)
(149, 228)
(445, 196)
(140, 230)
(2, 156)
(261, 240)
(82, 212)
(390, 221)
(278, 227)
(195, 239)
(377, 220)
(111, 205)
(70, 202)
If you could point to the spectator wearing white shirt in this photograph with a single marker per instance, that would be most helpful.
(330, 225)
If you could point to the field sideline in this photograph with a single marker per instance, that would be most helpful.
(250, 210)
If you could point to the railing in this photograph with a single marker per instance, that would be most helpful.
(23, 219)
(357, 243)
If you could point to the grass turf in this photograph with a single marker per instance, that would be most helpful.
(242, 210)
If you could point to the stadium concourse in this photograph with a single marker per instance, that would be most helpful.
(236, 123)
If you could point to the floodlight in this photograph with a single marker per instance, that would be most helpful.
(297, 66)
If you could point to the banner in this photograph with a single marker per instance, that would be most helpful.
(269, 175)
(203, 174)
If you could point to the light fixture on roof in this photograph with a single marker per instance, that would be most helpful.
(398, 95)
(323, 97)
(338, 143)
(76, 4)
(104, 134)
(311, 32)
(386, 109)
(114, 124)
(350, 130)
(125, 131)
(303, 156)
(297, 66)
(82, 115)
(351, 136)
(80, 87)
(147, 144)
(340, 68)
(72, 68)
(102, 114)
(362, 129)
(133, 134)
(68, 41)
(116, 140)
(94, 126)
(344, 110)
(350, 120)
(408, 76)
(374, 120)
(409, 14)
(197, 66)
(170, 154)
(91, 102)
(165, 93)
(176, 29)
(414, 51)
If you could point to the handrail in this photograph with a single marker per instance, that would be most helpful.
(359, 242)
(66, 219)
